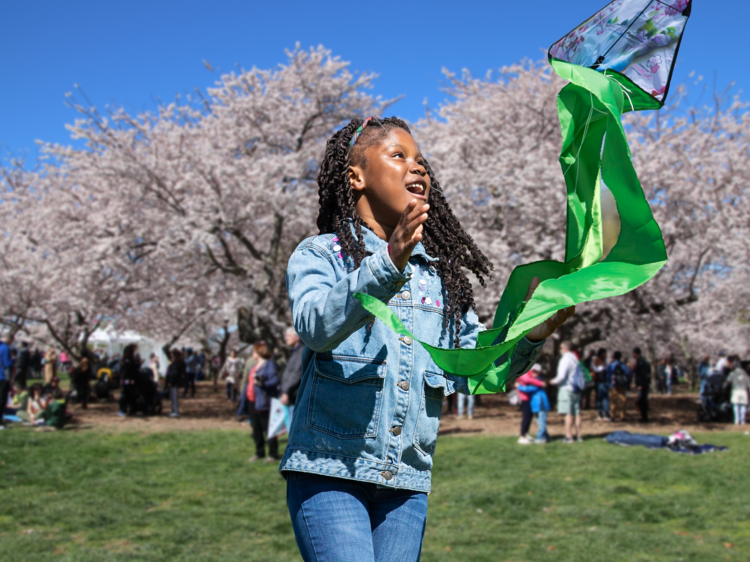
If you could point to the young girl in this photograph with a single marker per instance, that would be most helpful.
(359, 455)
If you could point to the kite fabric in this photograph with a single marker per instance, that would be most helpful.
(594, 152)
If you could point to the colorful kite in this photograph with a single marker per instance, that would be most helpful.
(619, 60)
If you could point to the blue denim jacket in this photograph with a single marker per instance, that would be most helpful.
(370, 400)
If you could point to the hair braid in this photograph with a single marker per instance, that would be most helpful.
(444, 237)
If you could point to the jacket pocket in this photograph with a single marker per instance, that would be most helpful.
(435, 390)
(346, 396)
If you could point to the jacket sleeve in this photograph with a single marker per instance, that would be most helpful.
(528, 389)
(324, 310)
(523, 358)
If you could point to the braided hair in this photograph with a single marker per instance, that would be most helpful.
(442, 236)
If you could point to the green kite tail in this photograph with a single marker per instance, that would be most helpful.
(594, 147)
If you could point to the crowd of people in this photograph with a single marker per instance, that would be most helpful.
(611, 380)
(252, 383)
(142, 385)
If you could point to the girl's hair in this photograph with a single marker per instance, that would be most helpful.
(443, 236)
(262, 349)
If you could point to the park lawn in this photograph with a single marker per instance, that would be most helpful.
(90, 495)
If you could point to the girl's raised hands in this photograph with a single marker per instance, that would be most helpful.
(408, 233)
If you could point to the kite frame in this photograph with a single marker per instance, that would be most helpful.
(624, 81)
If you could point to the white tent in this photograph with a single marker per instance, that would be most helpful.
(110, 341)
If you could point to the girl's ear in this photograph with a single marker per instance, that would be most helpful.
(357, 178)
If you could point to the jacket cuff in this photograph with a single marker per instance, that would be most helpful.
(384, 270)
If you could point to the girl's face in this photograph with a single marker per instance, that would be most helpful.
(394, 176)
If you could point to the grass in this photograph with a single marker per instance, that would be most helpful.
(193, 496)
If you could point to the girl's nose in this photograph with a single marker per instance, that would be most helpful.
(417, 168)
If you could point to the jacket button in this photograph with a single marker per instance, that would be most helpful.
(404, 385)
(387, 474)
(407, 340)
(406, 295)
(396, 431)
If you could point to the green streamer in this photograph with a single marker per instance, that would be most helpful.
(594, 147)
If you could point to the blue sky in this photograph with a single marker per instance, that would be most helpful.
(134, 52)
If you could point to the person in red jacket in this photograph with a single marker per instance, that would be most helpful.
(526, 415)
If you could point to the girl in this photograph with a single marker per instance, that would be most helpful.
(360, 449)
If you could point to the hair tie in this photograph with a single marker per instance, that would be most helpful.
(359, 130)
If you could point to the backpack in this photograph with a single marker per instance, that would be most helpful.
(620, 377)
(578, 381)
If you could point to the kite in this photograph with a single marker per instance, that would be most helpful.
(619, 60)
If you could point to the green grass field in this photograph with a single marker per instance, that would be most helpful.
(192, 496)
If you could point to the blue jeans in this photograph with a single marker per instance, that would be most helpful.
(541, 421)
(462, 400)
(602, 399)
(341, 520)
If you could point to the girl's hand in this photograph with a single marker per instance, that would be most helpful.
(548, 327)
(407, 233)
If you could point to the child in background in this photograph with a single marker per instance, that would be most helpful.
(523, 384)
(539, 403)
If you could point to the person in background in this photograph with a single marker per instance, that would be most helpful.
(526, 385)
(292, 376)
(599, 374)
(704, 367)
(81, 379)
(618, 378)
(642, 378)
(174, 380)
(591, 384)
(153, 364)
(65, 362)
(539, 405)
(740, 384)
(263, 384)
(54, 411)
(20, 402)
(37, 363)
(568, 401)
(669, 375)
(129, 367)
(23, 367)
(50, 365)
(232, 372)
(721, 363)
(192, 366)
(36, 405)
(462, 401)
(6, 370)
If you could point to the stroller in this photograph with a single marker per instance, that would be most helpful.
(103, 384)
(715, 403)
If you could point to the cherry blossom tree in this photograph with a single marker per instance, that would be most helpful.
(179, 221)
(199, 203)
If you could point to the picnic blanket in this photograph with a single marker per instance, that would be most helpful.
(679, 442)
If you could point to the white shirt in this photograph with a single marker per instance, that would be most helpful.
(566, 368)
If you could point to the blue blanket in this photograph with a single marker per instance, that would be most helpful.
(659, 442)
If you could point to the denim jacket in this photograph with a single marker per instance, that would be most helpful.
(370, 400)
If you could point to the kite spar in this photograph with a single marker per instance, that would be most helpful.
(621, 59)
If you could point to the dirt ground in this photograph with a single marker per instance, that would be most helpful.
(494, 416)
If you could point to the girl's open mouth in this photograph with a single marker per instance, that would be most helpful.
(417, 188)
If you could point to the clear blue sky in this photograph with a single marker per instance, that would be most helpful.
(134, 52)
